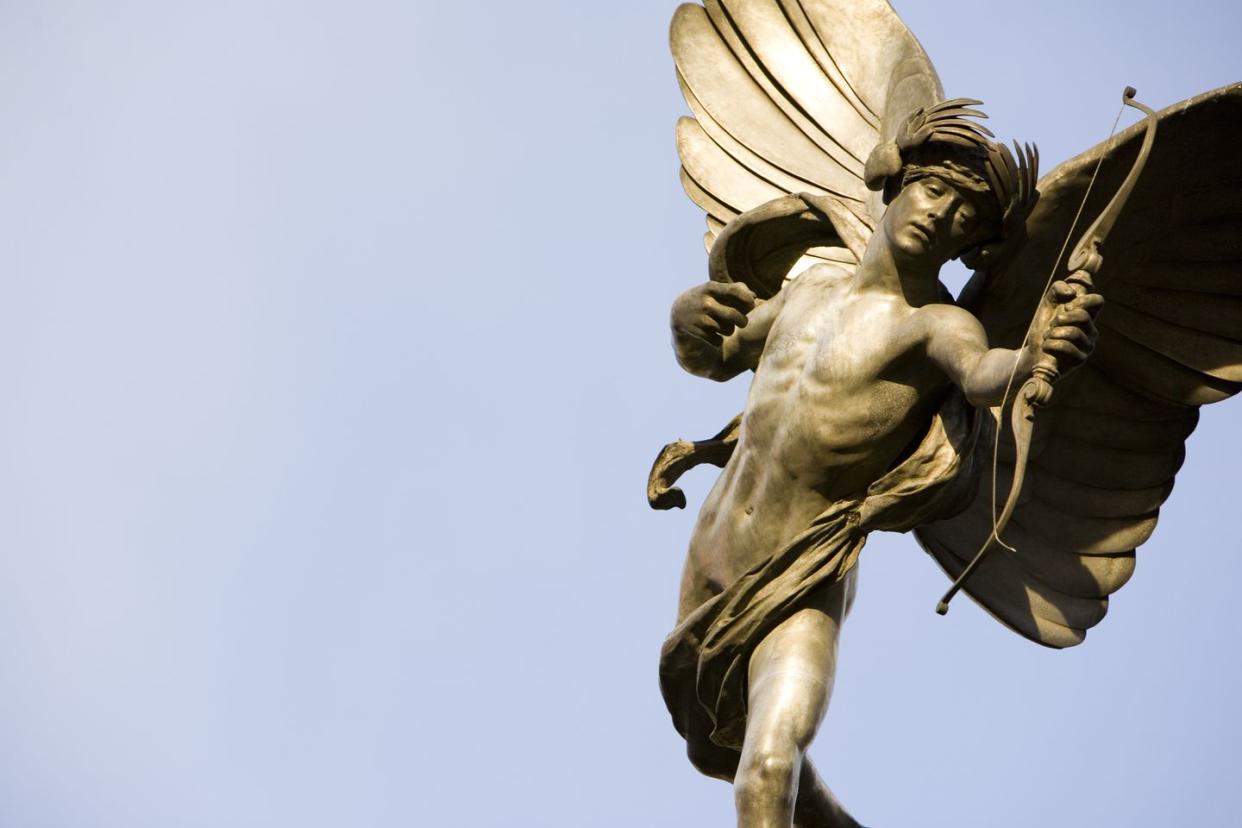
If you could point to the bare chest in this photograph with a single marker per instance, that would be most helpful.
(826, 335)
(837, 391)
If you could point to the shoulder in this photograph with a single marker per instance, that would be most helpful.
(826, 272)
(946, 313)
(823, 274)
(940, 320)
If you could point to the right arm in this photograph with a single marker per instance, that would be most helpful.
(719, 329)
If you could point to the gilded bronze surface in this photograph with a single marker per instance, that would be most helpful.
(1025, 433)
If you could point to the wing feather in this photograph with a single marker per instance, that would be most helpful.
(716, 210)
(757, 165)
(1071, 497)
(1086, 425)
(1022, 603)
(732, 97)
(1214, 314)
(1044, 560)
(797, 16)
(878, 55)
(1190, 346)
(1150, 372)
(1097, 536)
(1201, 243)
(1107, 468)
(1214, 278)
(709, 165)
(1110, 398)
(1220, 315)
(743, 55)
(837, 126)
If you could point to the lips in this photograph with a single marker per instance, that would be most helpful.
(926, 233)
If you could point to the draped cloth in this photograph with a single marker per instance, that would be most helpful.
(704, 662)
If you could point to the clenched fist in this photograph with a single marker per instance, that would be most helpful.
(711, 311)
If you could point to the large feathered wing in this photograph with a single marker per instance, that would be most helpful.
(1106, 450)
(791, 96)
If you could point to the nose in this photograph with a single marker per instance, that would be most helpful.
(939, 209)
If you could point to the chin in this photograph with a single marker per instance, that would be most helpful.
(912, 244)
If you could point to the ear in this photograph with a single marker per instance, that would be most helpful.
(981, 257)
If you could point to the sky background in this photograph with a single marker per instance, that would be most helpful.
(334, 353)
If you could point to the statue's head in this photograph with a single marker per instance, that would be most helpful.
(943, 161)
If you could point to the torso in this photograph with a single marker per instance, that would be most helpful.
(840, 392)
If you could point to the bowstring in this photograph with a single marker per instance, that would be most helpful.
(1030, 328)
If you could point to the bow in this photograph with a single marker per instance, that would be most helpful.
(1084, 263)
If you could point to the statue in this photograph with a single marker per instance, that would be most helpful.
(1024, 432)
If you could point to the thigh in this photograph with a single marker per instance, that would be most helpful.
(791, 671)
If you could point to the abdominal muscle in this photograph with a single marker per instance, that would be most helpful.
(829, 411)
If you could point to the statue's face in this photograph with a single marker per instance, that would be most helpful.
(930, 218)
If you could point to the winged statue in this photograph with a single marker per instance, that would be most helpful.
(1026, 431)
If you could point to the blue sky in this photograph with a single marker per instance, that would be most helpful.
(334, 357)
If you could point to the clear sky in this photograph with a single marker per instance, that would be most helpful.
(334, 355)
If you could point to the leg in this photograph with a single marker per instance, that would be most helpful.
(816, 807)
(790, 678)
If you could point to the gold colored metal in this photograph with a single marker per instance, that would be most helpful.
(876, 398)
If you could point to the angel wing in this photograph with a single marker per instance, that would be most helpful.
(790, 96)
(1105, 452)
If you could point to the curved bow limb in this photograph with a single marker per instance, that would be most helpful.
(1084, 263)
(1023, 422)
(1086, 255)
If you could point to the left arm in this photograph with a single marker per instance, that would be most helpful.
(957, 343)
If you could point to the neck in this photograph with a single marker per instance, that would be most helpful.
(885, 268)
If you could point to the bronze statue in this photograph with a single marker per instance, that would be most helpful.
(1025, 433)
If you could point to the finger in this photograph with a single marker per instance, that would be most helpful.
(694, 331)
(1091, 303)
(706, 329)
(725, 316)
(1070, 334)
(1078, 317)
(734, 294)
(1080, 320)
(1063, 293)
(1067, 351)
(719, 327)
(1071, 315)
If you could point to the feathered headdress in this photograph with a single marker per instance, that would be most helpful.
(943, 141)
